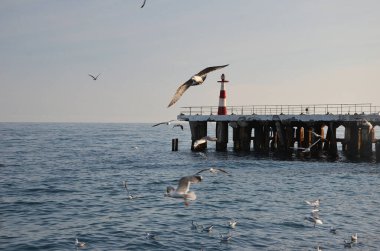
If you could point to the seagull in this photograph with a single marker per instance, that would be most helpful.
(142, 6)
(313, 203)
(318, 249)
(212, 170)
(150, 236)
(354, 237)
(225, 238)
(316, 135)
(307, 149)
(182, 190)
(94, 78)
(163, 123)
(130, 196)
(347, 244)
(204, 140)
(232, 223)
(333, 230)
(315, 213)
(79, 243)
(208, 229)
(314, 220)
(197, 79)
(195, 225)
(178, 125)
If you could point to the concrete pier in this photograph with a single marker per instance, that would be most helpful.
(270, 130)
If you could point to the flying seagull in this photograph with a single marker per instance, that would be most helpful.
(212, 170)
(197, 79)
(94, 78)
(142, 6)
(307, 149)
(204, 140)
(164, 123)
(182, 190)
(130, 196)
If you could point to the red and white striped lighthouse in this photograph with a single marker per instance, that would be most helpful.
(222, 109)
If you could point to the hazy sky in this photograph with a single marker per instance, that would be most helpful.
(279, 51)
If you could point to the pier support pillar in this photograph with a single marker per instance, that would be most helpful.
(352, 140)
(365, 143)
(242, 137)
(222, 136)
(378, 151)
(198, 131)
(333, 148)
(281, 143)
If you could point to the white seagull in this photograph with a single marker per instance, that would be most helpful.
(212, 170)
(197, 79)
(164, 123)
(225, 238)
(94, 78)
(307, 149)
(182, 190)
(354, 237)
(313, 220)
(314, 203)
(232, 223)
(79, 243)
(204, 140)
(130, 196)
(208, 229)
(150, 236)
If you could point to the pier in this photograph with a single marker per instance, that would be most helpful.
(281, 129)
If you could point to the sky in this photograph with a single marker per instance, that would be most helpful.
(278, 51)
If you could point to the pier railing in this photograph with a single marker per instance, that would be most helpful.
(311, 109)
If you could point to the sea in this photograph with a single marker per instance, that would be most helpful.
(65, 181)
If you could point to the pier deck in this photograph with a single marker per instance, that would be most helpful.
(278, 127)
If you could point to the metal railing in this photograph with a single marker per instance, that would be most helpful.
(308, 109)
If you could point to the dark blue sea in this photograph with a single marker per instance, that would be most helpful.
(61, 181)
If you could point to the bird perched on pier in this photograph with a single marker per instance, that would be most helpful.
(197, 79)
(203, 140)
(94, 78)
(164, 123)
(213, 170)
(183, 187)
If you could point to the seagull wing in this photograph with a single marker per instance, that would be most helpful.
(314, 143)
(180, 91)
(92, 76)
(210, 69)
(184, 183)
(221, 170)
(142, 6)
(203, 170)
(97, 76)
(158, 124)
(199, 142)
(209, 138)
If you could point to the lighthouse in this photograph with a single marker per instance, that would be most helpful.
(222, 108)
(222, 126)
